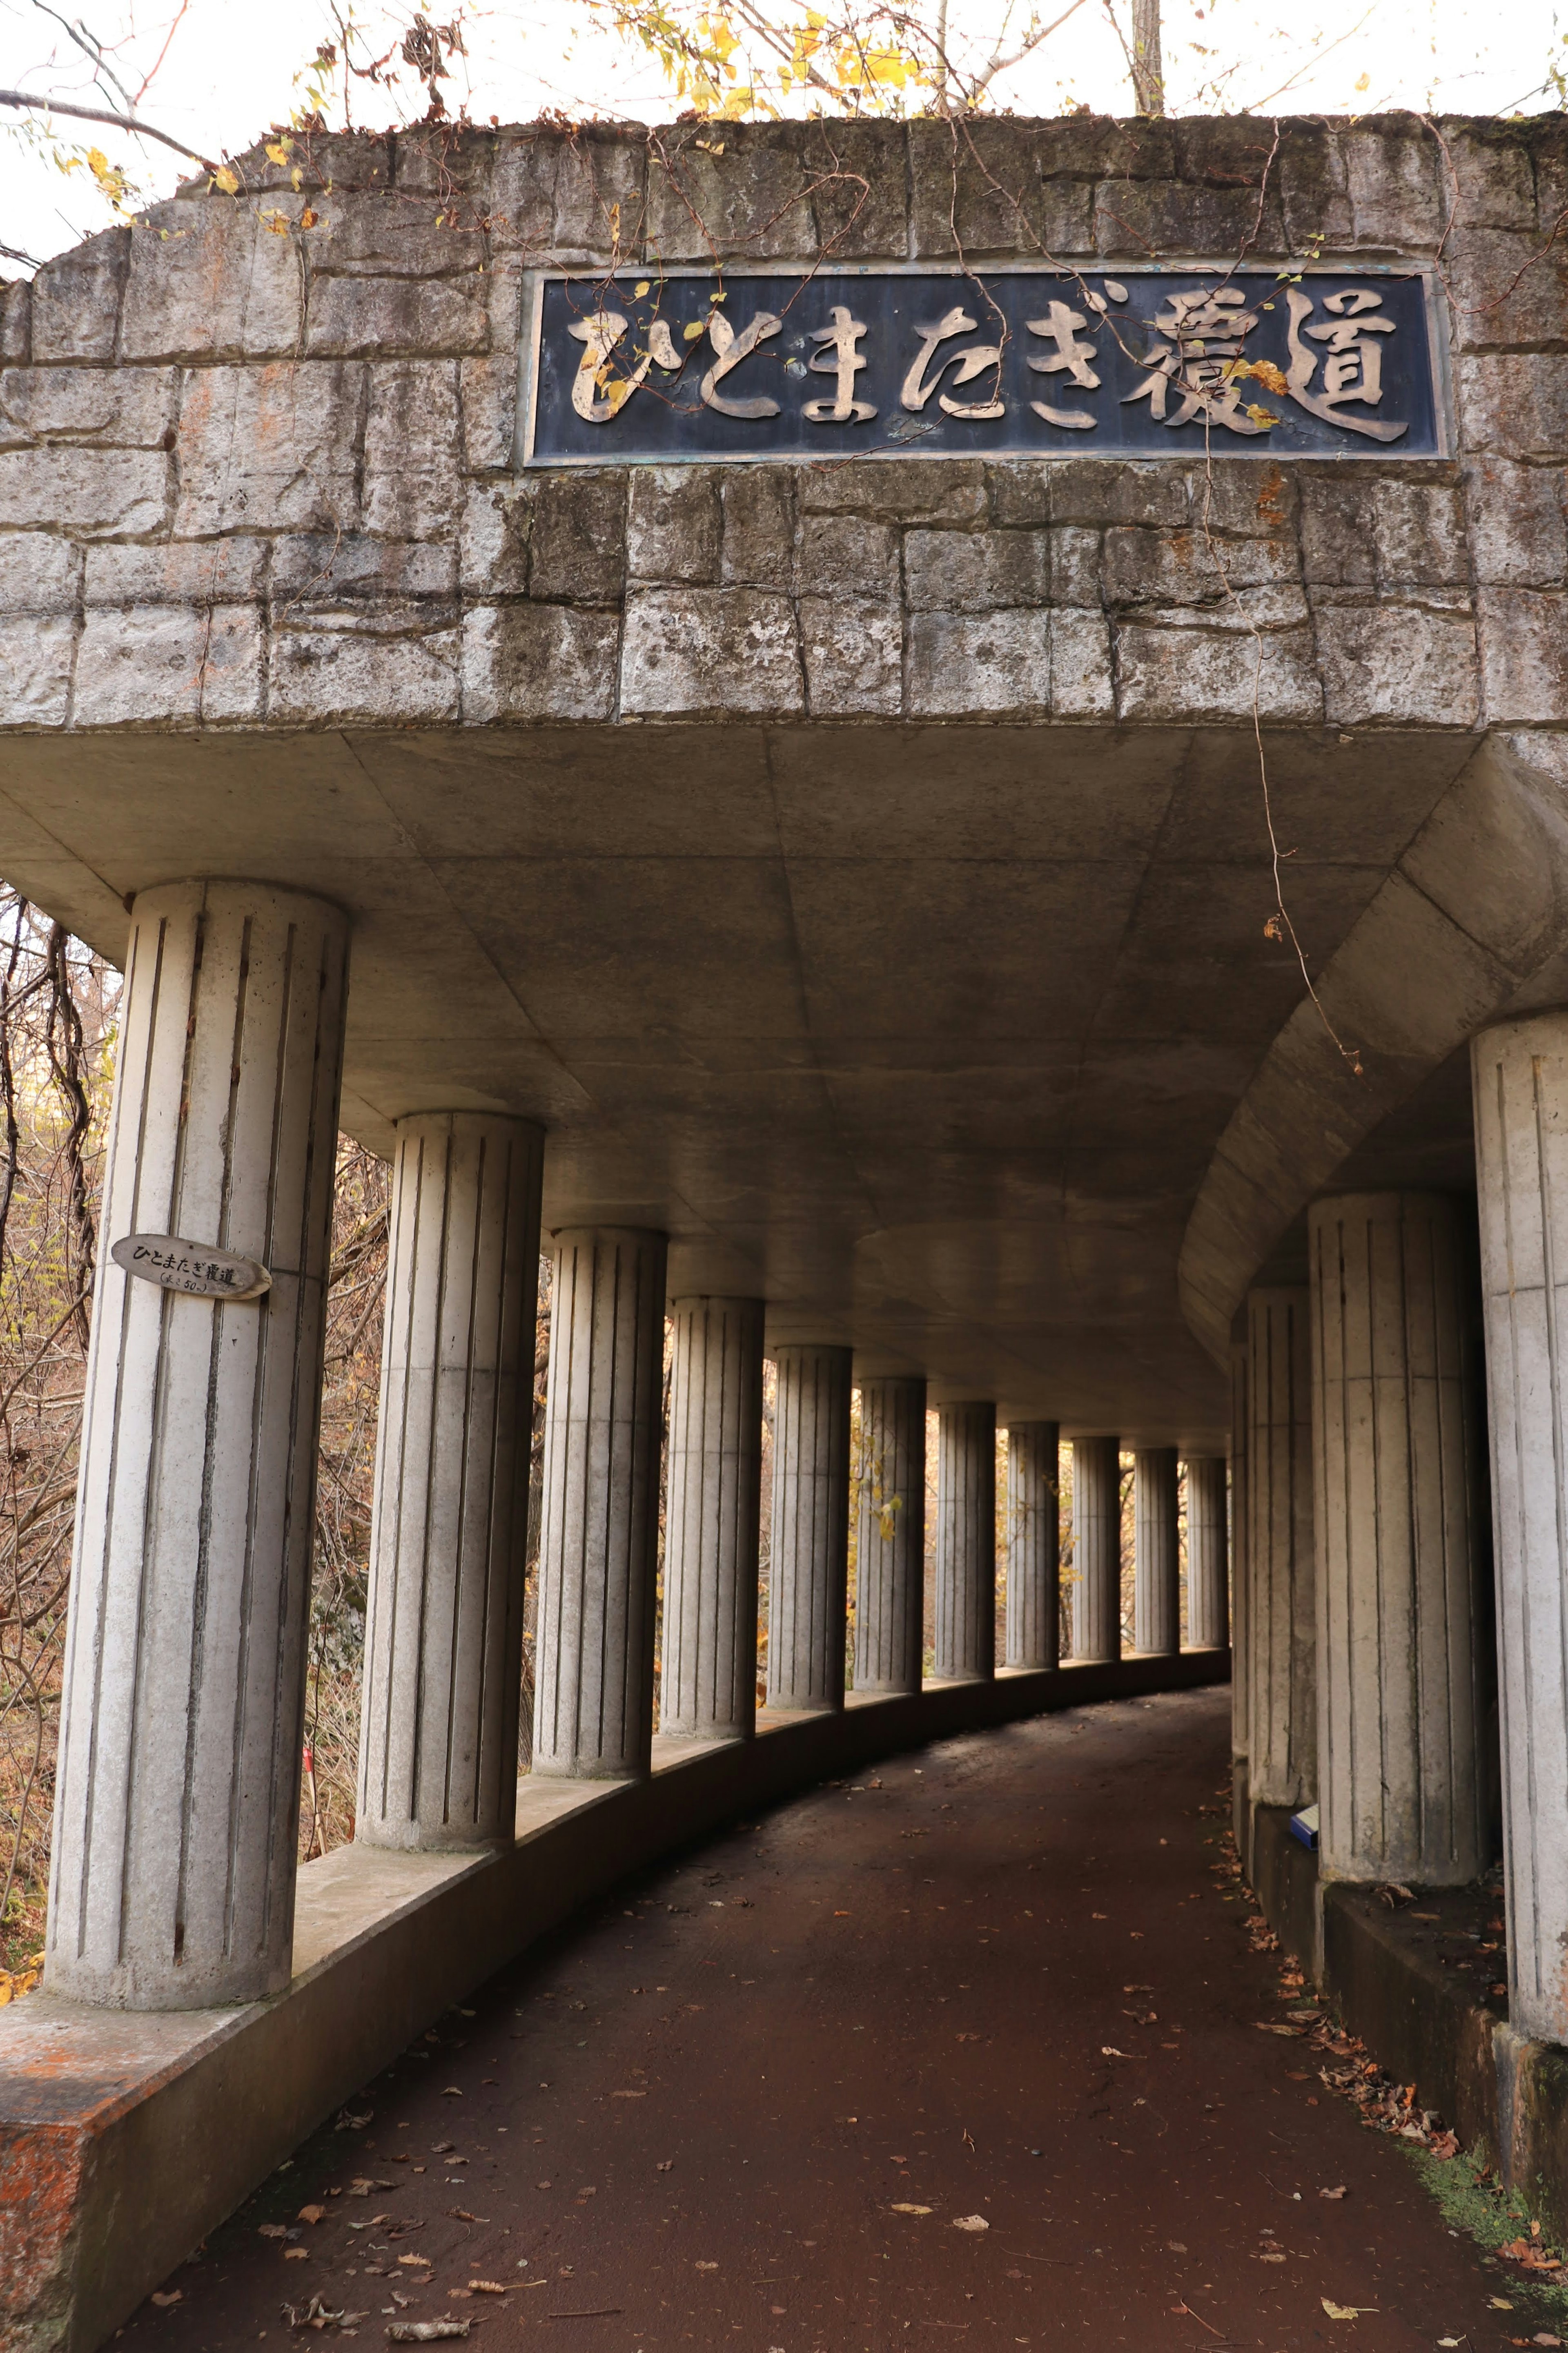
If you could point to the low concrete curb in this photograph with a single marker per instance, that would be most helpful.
(125, 2137)
(1499, 2091)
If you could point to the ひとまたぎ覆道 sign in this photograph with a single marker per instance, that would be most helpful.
(661, 367)
(200, 1269)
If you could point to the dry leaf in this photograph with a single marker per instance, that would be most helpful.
(487, 2288)
(295, 2254)
(270, 2231)
(311, 2213)
(1346, 2311)
(970, 2222)
(904, 2209)
(416, 2263)
(348, 2122)
(424, 2332)
(176, 2295)
(1338, 2192)
(1264, 2026)
(362, 2185)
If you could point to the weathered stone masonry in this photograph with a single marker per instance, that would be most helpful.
(257, 474)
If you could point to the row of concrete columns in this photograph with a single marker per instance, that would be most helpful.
(178, 1782)
(1368, 1679)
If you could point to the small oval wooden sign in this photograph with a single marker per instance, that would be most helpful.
(199, 1269)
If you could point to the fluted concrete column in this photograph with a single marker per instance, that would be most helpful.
(1208, 1554)
(177, 1795)
(712, 1490)
(1096, 1549)
(593, 1704)
(889, 1543)
(1282, 1738)
(966, 1542)
(808, 1575)
(443, 1654)
(1394, 1451)
(1034, 1544)
(1519, 1072)
(1240, 1552)
(1156, 1570)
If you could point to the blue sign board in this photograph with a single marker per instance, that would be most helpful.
(657, 367)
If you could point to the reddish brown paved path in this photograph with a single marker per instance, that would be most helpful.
(701, 2106)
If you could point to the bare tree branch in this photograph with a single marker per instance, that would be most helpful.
(24, 98)
(89, 46)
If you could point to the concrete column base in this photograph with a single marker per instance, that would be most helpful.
(125, 2138)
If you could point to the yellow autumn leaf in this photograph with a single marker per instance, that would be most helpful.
(228, 179)
(641, 287)
(1365, 82)
(690, 334)
(1261, 416)
(279, 151)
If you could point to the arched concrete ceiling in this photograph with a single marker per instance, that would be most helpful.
(928, 1034)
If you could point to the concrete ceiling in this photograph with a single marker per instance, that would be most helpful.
(927, 1035)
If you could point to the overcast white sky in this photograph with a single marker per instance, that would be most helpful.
(228, 70)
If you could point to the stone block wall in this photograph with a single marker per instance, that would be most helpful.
(256, 457)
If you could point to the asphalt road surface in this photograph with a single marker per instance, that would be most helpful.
(766, 2097)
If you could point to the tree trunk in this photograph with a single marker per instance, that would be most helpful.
(1148, 71)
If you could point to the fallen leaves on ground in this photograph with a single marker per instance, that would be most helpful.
(170, 2295)
(424, 2332)
(1345, 2311)
(361, 2186)
(15, 1983)
(1338, 2191)
(348, 2121)
(905, 2209)
(311, 2213)
(317, 2315)
(487, 2288)
(1529, 2254)
(970, 2222)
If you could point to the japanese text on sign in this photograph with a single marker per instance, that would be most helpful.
(198, 1269)
(832, 363)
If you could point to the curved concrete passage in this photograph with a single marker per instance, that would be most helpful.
(993, 1978)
